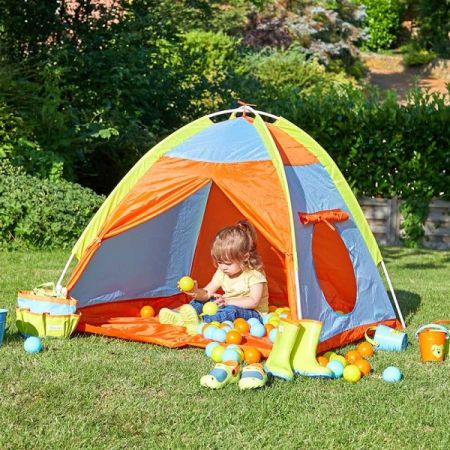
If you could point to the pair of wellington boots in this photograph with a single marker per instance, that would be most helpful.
(294, 351)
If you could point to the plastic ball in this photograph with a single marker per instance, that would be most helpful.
(352, 356)
(219, 335)
(365, 349)
(209, 348)
(233, 337)
(328, 354)
(284, 315)
(210, 308)
(227, 328)
(340, 358)
(257, 330)
(208, 333)
(364, 366)
(272, 308)
(352, 374)
(266, 317)
(217, 352)
(268, 328)
(200, 328)
(273, 335)
(216, 324)
(322, 361)
(337, 368)
(231, 355)
(253, 321)
(241, 325)
(186, 284)
(392, 374)
(147, 311)
(32, 344)
(229, 323)
(252, 355)
(232, 346)
(275, 321)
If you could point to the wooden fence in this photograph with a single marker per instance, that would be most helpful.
(385, 219)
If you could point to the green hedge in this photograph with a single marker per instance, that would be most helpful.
(42, 213)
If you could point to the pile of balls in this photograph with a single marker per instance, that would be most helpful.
(354, 365)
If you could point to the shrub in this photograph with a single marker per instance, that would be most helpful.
(413, 55)
(42, 213)
(383, 20)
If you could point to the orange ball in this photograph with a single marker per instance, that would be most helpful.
(147, 311)
(272, 308)
(322, 361)
(252, 355)
(241, 325)
(365, 349)
(364, 366)
(269, 327)
(233, 337)
(352, 356)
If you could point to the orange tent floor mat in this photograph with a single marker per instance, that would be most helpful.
(122, 320)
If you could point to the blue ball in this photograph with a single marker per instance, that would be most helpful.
(392, 374)
(219, 334)
(266, 318)
(230, 346)
(226, 329)
(337, 368)
(253, 321)
(209, 333)
(231, 355)
(229, 323)
(210, 347)
(257, 330)
(32, 345)
(273, 334)
(200, 328)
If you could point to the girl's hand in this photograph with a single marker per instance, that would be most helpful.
(219, 300)
(193, 291)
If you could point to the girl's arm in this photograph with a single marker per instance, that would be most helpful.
(203, 294)
(250, 302)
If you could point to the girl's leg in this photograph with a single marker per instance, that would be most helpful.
(232, 313)
(198, 306)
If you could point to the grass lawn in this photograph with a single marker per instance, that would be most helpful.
(101, 393)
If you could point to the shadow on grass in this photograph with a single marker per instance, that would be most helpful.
(409, 303)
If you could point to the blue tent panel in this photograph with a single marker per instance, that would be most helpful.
(145, 261)
(225, 142)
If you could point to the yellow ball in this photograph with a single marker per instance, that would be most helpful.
(329, 354)
(210, 308)
(215, 324)
(275, 321)
(352, 373)
(340, 358)
(216, 353)
(186, 284)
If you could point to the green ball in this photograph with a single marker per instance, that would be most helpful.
(216, 353)
(210, 308)
(352, 374)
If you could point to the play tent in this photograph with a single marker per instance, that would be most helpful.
(320, 256)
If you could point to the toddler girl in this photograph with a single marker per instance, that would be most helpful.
(239, 274)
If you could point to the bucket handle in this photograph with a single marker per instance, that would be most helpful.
(370, 340)
(433, 326)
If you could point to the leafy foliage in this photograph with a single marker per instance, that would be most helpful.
(383, 20)
(42, 213)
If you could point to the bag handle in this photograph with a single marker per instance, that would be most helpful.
(433, 326)
(370, 340)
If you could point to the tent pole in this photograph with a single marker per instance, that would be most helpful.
(393, 294)
(242, 109)
(58, 287)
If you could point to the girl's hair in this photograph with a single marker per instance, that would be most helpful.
(237, 243)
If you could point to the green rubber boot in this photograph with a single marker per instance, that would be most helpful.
(304, 360)
(278, 363)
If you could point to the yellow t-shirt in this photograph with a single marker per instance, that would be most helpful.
(240, 286)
